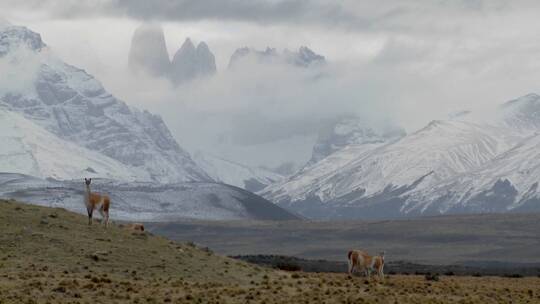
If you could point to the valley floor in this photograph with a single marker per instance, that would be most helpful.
(473, 240)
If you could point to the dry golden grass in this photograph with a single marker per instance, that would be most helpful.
(52, 256)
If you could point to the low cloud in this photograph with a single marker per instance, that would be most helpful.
(400, 15)
(257, 108)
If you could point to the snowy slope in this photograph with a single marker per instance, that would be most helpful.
(508, 182)
(232, 173)
(29, 149)
(74, 106)
(439, 151)
(147, 201)
(521, 114)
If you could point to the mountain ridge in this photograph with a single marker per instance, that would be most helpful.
(415, 174)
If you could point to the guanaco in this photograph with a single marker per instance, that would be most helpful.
(361, 261)
(98, 201)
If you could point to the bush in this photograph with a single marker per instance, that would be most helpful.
(449, 273)
(432, 277)
(288, 266)
(513, 275)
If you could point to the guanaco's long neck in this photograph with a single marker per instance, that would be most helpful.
(87, 195)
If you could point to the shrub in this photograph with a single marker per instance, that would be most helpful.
(288, 266)
(432, 277)
(513, 275)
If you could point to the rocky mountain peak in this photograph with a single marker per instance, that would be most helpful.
(148, 52)
(190, 62)
(13, 37)
(304, 57)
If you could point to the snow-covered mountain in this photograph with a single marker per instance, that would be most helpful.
(509, 182)
(304, 57)
(401, 178)
(189, 62)
(232, 173)
(28, 148)
(147, 201)
(148, 51)
(74, 106)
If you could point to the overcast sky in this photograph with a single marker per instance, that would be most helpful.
(401, 62)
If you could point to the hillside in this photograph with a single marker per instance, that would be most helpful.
(48, 249)
(52, 256)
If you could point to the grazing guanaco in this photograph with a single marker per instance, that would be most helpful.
(362, 261)
(97, 201)
(137, 227)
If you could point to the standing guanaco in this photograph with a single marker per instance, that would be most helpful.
(98, 201)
